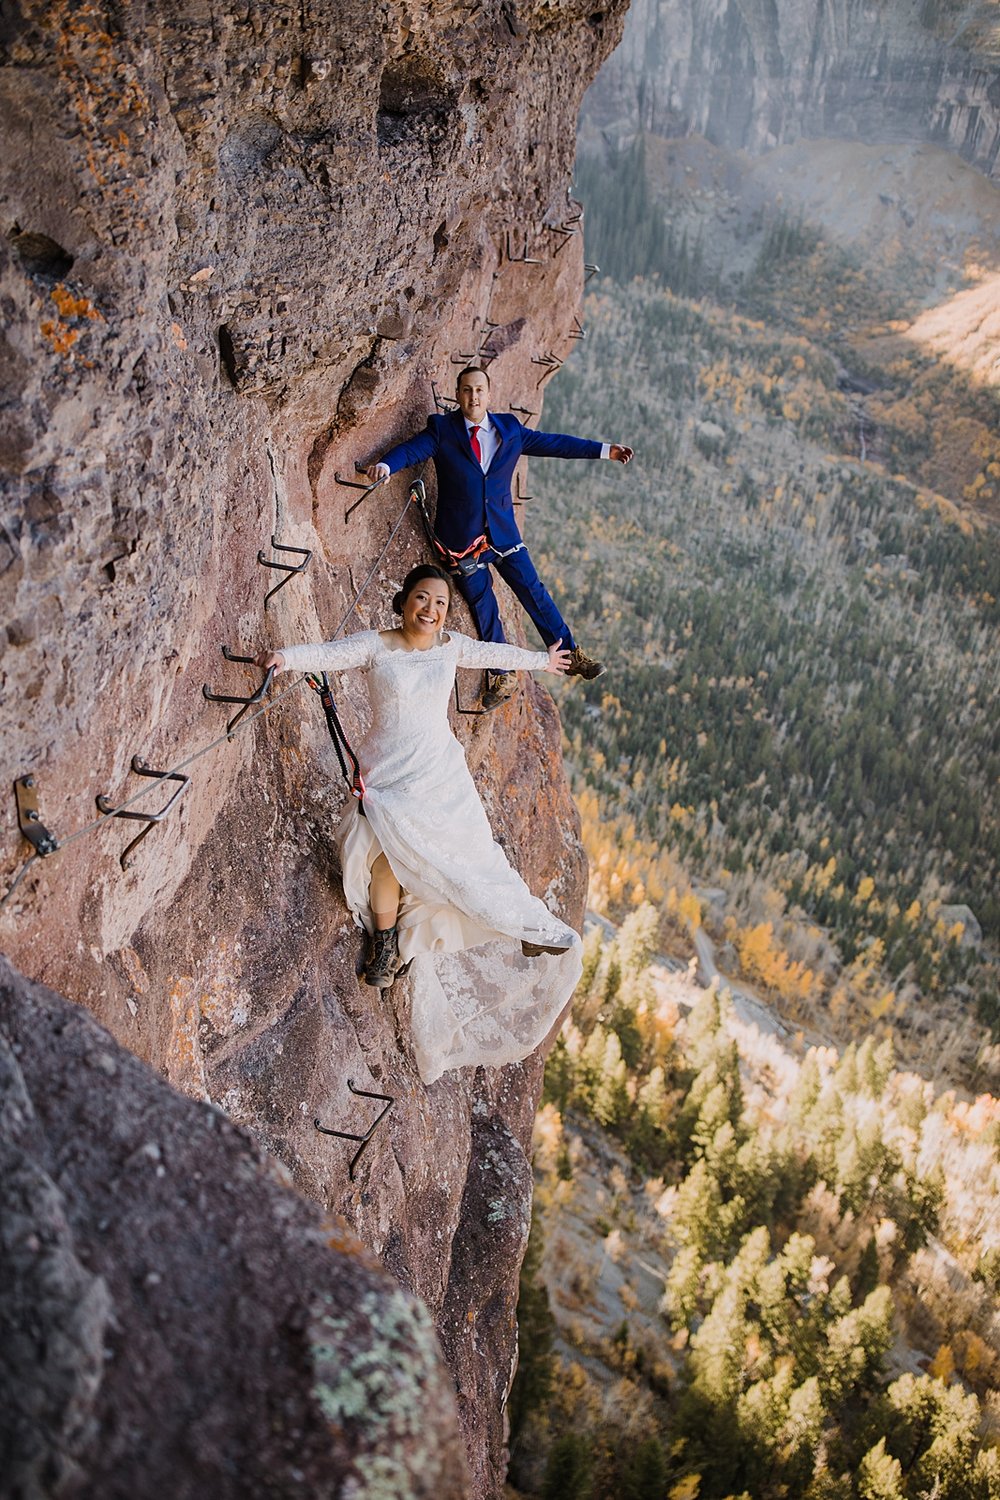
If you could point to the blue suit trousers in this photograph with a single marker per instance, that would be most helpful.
(518, 573)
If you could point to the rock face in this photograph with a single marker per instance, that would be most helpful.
(241, 247)
(177, 1320)
(753, 75)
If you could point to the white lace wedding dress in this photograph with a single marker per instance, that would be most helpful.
(475, 997)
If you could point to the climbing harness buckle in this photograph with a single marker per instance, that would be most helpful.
(478, 554)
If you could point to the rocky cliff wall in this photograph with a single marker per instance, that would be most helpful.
(239, 244)
(177, 1321)
(750, 75)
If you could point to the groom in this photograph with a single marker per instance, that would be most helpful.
(475, 453)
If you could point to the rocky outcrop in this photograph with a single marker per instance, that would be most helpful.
(751, 75)
(239, 245)
(177, 1320)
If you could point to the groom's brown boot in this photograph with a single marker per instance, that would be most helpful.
(582, 665)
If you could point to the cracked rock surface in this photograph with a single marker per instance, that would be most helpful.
(177, 1320)
(242, 248)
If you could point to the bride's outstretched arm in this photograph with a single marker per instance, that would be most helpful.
(322, 656)
(499, 656)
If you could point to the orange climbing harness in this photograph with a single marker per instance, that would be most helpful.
(461, 564)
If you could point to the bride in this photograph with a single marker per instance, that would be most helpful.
(490, 967)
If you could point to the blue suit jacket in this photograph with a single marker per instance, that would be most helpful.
(469, 501)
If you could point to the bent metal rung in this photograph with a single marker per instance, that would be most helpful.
(106, 806)
(551, 362)
(287, 568)
(247, 703)
(348, 513)
(442, 402)
(347, 1135)
(520, 260)
(468, 713)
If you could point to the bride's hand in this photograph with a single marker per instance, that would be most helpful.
(268, 659)
(559, 660)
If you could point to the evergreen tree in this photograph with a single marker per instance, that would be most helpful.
(535, 1331)
(880, 1476)
(568, 1468)
(644, 1475)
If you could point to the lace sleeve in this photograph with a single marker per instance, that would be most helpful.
(498, 656)
(331, 656)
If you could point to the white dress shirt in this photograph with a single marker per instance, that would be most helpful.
(489, 441)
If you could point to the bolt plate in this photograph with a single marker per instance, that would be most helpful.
(42, 841)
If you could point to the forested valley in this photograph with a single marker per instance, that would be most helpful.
(752, 1273)
(800, 713)
(764, 1261)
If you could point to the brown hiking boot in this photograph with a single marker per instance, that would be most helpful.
(532, 950)
(383, 961)
(582, 665)
(500, 688)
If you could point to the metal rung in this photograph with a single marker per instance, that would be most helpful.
(521, 260)
(346, 1135)
(106, 806)
(348, 513)
(288, 568)
(247, 703)
(551, 362)
(442, 402)
(566, 231)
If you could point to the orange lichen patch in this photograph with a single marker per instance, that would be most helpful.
(59, 332)
(178, 336)
(340, 1237)
(185, 1064)
(72, 306)
(59, 336)
(221, 1001)
(101, 88)
(132, 964)
(343, 1242)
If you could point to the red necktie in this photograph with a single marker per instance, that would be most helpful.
(474, 440)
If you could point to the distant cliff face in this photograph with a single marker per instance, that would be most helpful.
(239, 243)
(750, 75)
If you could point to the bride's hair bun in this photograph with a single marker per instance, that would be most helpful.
(397, 602)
